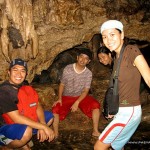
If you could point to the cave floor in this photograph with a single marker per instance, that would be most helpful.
(82, 140)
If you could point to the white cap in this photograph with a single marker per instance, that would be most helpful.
(111, 24)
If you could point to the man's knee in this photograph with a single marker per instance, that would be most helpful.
(96, 105)
(27, 134)
(49, 123)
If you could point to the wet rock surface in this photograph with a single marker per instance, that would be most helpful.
(82, 140)
(54, 26)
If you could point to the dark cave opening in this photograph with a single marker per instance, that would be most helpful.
(53, 73)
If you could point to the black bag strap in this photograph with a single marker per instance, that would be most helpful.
(115, 90)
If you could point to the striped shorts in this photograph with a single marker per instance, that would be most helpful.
(121, 128)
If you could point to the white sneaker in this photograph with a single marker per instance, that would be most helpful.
(30, 143)
(5, 140)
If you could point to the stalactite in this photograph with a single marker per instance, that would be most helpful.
(17, 15)
(4, 36)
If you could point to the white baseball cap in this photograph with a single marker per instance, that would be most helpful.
(111, 24)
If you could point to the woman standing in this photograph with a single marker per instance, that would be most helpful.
(133, 65)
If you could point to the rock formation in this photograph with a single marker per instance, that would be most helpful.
(38, 31)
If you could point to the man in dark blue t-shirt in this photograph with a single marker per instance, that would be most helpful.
(18, 134)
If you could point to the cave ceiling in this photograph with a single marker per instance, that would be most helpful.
(38, 30)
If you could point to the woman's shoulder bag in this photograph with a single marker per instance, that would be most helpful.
(111, 100)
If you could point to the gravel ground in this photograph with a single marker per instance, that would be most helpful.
(82, 140)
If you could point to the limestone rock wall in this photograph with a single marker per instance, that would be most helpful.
(49, 27)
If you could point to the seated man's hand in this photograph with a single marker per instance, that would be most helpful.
(58, 101)
(74, 107)
(41, 136)
(49, 133)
